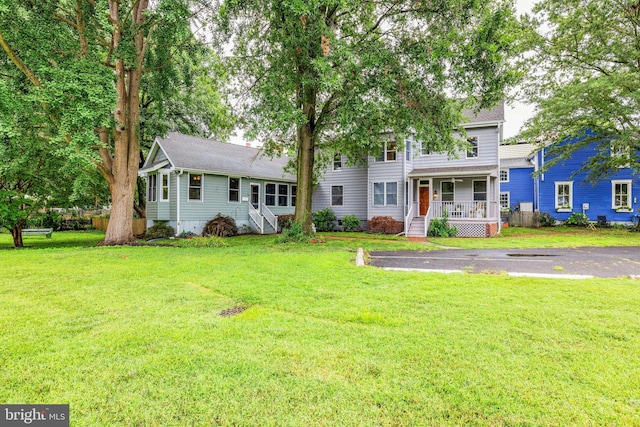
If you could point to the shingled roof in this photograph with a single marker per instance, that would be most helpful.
(209, 156)
(495, 114)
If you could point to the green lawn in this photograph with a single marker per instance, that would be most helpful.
(134, 336)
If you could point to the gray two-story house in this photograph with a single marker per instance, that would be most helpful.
(415, 186)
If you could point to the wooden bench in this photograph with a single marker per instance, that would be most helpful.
(37, 232)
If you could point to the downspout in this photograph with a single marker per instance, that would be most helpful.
(178, 202)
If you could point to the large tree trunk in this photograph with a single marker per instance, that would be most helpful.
(304, 199)
(16, 233)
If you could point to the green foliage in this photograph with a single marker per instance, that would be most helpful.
(584, 78)
(350, 223)
(159, 230)
(385, 224)
(325, 219)
(546, 220)
(48, 219)
(284, 221)
(440, 227)
(294, 233)
(202, 242)
(577, 218)
(187, 234)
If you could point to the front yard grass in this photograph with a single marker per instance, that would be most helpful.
(134, 336)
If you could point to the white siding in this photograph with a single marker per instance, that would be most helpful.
(354, 182)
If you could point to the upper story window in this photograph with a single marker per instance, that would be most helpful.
(337, 162)
(472, 148)
(389, 152)
(504, 175)
(234, 189)
(152, 188)
(621, 194)
(564, 195)
(195, 187)
(621, 154)
(424, 150)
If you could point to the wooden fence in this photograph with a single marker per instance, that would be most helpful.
(524, 219)
(139, 224)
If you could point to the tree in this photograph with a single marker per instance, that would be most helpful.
(584, 60)
(87, 59)
(320, 77)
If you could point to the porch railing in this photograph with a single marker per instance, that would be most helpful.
(257, 218)
(465, 210)
(270, 217)
(407, 220)
(427, 221)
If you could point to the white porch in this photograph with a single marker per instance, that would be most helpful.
(467, 196)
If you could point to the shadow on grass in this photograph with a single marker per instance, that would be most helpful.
(59, 239)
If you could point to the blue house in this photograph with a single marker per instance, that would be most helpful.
(562, 192)
(518, 188)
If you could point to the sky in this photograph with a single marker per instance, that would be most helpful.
(516, 113)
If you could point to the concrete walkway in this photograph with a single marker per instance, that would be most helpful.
(576, 263)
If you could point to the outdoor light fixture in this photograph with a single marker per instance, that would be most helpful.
(435, 194)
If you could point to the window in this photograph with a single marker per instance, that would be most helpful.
(388, 153)
(152, 189)
(564, 195)
(621, 194)
(270, 194)
(234, 190)
(424, 150)
(164, 195)
(337, 162)
(447, 190)
(479, 191)
(195, 187)
(504, 175)
(283, 195)
(294, 193)
(385, 193)
(505, 203)
(337, 192)
(621, 154)
(407, 150)
(472, 149)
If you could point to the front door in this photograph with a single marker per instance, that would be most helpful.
(255, 196)
(424, 200)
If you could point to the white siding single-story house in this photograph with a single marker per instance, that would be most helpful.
(190, 180)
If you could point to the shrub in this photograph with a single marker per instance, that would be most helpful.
(220, 226)
(187, 234)
(285, 220)
(546, 220)
(385, 224)
(578, 219)
(439, 227)
(160, 230)
(203, 242)
(350, 223)
(325, 219)
(293, 233)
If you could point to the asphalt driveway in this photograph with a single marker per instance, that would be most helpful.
(567, 263)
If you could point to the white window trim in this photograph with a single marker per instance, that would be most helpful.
(508, 171)
(229, 178)
(384, 153)
(337, 158)
(508, 193)
(422, 153)
(473, 193)
(152, 196)
(556, 185)
(278, 195)
(341, 186)
(275, 194)
(466, 153)
(442, 192)
(189, 199)
(385, 193)
(162, 175)
(292, 198)
(629, 196)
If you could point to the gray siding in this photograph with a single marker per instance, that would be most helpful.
(488, 143)
(353, 179)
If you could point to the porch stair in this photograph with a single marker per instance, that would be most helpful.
(264, 222)
(416, 228)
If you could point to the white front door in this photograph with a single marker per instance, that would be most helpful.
(255, 196)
